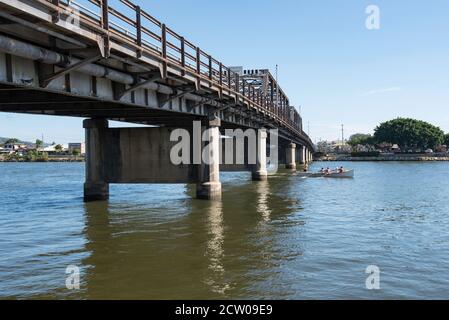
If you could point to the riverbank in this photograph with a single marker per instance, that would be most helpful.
(50, 159)
(414, 158)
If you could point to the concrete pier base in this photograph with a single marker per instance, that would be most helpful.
(302, 155)
(260, 172)
(208, 191)
(291, 157)
(209, 187)
(95, 188)
(96, 191)
(260, 176)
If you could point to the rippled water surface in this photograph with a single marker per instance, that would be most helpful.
(289, 238)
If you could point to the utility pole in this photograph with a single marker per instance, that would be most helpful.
(342, 134)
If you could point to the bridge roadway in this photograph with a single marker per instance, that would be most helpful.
(90, 59)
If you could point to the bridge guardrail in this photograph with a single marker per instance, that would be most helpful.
(144, 33)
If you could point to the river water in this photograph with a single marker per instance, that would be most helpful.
(289, 238)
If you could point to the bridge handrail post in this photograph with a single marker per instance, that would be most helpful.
(105, 14)
(105, 26)
(55, 16)
(237, 87)
(221, 80)
(139, 30)
(164, 50)
(183, 55)
(210, 70)
(198, 67)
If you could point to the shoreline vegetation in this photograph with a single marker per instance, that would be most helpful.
(42, 159)
(400, 139)
(379, 158)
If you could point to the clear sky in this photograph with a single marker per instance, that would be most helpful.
(329, 62)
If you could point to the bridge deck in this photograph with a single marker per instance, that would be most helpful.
(153, 74)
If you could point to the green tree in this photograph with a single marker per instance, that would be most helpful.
(39, 144)
(12, 141)
(360, 139)
(76, 153)
(58, 148)
(409, 133)
(324, 147)
(446, 139)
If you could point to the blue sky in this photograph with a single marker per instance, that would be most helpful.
(329, 62)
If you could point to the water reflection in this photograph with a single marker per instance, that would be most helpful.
(185, 248)
(215, 251)
(263, 208)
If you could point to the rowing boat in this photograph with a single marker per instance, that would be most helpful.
(344, 174)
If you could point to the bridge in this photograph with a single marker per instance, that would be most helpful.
(114, 61)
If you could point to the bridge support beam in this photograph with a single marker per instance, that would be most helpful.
(95, 187)
(291, 157)
(209, 186)
(260, 172)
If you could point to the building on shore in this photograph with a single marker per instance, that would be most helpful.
(53, 149)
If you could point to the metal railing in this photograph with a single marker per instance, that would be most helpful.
(137, 28)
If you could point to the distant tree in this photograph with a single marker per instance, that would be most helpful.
(12, 141)
(76, 153)
(446, 139)
(31, 156)
(324, 147)
(360, 139)
(35, 156)
(43, 157)
(409, 133)
(58, 148)
(39, 144)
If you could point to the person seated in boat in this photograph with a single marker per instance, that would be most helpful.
(322, 170)
(328, 171)
(341, 170)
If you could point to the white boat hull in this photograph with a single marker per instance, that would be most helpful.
(346, 174)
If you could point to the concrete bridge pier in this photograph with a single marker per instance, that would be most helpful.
(291, 157)
(95, 188)
(260, 172)
(302, 155)
(308, 155)
(209, 185)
